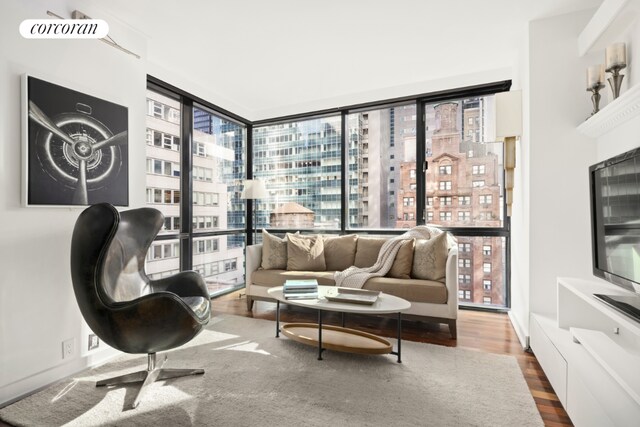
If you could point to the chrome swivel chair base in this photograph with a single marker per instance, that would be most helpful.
(152, 373)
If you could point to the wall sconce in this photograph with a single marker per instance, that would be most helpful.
(595, 82)
(509, 126)
(615, 59)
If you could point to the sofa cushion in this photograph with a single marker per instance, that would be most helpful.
(401, 267)
(339, 251)
(305, 253)
(272, 278)
(274, 251)
(367, 251)
(430, 258)
(413, 290)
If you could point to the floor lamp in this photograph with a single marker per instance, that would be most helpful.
(254, 189)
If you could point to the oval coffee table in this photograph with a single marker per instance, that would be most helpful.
(340, 338)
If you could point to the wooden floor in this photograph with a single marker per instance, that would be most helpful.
(477, 330)
(480, 331)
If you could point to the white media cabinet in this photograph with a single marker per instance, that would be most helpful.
(591, 355)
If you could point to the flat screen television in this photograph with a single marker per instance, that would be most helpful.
(615, 227)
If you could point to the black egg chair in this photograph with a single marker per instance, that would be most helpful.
(121, 305)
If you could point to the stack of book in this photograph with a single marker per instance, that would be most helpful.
(300, 289)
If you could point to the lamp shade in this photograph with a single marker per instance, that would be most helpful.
(254, 189)
(508, 114)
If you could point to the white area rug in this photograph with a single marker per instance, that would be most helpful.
(255, 379)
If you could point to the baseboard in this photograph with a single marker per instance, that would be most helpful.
(523, 337)
(12, 392)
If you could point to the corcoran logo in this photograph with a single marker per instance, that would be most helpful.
(64, 28)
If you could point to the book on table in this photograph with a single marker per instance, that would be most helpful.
(300, 289)
(300, 286)
(307, 295)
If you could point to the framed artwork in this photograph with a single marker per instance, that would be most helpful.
(75, 147)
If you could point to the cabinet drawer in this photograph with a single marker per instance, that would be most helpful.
(552, 362)
(595, 397)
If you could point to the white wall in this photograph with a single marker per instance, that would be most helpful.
(554, 208)
(38, 309)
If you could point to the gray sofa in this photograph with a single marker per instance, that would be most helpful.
(431, 300)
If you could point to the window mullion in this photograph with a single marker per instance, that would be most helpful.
(186, 185)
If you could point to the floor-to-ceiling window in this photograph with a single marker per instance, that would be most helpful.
(192, 147)
(464, 193)
(431, 159)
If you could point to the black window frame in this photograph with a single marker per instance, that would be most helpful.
(420, 101)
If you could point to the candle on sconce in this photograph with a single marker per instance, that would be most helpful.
(595, 75)
(615, 56)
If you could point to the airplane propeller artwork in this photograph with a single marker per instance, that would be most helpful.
(77, 150)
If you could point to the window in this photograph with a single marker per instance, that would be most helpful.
(464, 262)
(486, 250)
(486, 300)
(486, 284)
(430, 201)
(464, 215)
(444, 170)
(486, 199)
(464, 279)
(445, 201)
(445, 216)
(408, 201)
(455, 129)
(429, 216)
(408, 216)
(301, 171)
(478, 170)
(412, 173)
(217, 167)
(444, 185)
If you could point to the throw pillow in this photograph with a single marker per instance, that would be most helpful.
(401, 268)
(305, 253)
(339, 251)
(430, 258)
(274, 252)
(367, 251)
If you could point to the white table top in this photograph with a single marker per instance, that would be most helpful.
(385, 304)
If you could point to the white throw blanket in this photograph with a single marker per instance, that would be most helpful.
(355, 277)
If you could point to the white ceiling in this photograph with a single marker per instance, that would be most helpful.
(285, 55)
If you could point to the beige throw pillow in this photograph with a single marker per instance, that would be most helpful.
(274, 252)
(401, 268)
(339, 251)
(430, 258)
(305, 253)
(367, 251)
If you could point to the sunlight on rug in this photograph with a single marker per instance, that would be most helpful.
(252, 378)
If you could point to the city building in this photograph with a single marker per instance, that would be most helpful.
(220, 259)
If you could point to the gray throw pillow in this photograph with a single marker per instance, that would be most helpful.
(430, 258)
(305, 253)
(367, 251)
(339, 251)
(401, 267)
(274, 252)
